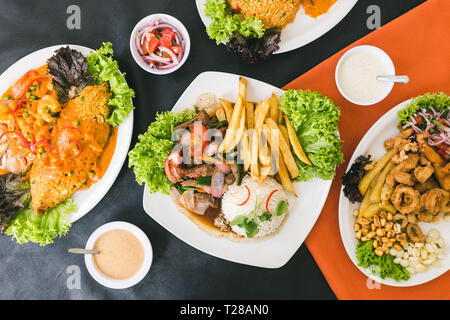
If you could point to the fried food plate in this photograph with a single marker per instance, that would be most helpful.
(304, 29)
(88, 199)
(373, 143)
(273, 252)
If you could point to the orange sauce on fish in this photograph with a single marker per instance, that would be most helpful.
(21, 111)
(105, 159)
(315, 8)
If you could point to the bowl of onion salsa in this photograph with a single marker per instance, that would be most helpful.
(160, 44)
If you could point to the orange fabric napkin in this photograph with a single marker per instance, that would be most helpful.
(418, 44)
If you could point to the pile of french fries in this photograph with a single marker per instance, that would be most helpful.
(263, 141)
(374, 188)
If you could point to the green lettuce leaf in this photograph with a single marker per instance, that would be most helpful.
(383, 266)
(148, 156)
(225, 23)
(104, 68)
(439, 101)
(27, 227)
(315, 119)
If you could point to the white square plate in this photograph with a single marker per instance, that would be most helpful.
(273, 252)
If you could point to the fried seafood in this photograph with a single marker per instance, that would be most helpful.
(414, 233)
(434, 201)
(78, 140)
(441, 168)
(405, 199)
(402, 173)
(423, 172)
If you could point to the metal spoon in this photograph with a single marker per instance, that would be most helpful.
(398, 79)
(83, 251)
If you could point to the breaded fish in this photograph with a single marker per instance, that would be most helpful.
(273, 13)
(77, 142)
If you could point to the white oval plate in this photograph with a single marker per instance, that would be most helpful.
(303, 211)
(372, 143)
(88, 199)
(304, 29)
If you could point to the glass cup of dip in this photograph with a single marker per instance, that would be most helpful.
(356, 74)
(125, 255)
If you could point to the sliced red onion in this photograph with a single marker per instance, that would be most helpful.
(188, 197)
(159, 59)
(217, 181)
(210, 149)
(172, 55)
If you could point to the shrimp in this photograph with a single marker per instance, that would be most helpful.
(424, 172)
(401, 172)
(405, 199)
(47, 106)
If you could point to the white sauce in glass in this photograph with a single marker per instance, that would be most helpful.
(357, 77)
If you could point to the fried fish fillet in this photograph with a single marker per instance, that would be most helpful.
(77, 142)
(273, 13)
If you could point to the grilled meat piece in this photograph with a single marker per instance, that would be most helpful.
(203, 170)
(230, 179)
(222, 223)
(207, 198)
(201, 116)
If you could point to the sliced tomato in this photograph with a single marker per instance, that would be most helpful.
(169, 33)
(442, 121)
(152, 43)
(199, 139)
(419, 120)
(176, 49)
(168, 170)
(166, 42)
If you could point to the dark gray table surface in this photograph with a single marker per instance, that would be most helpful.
(178, 271)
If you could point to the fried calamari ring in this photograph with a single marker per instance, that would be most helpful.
(405, 199)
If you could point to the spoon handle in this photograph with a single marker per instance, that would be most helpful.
(83, 251)
(398, 79)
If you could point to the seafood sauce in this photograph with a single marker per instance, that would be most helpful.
(121, 254)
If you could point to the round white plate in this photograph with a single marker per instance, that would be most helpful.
(88, 199)
(304, 29)
(303, 211)
(372, 143)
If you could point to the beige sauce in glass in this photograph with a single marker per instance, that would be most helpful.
(121, 254)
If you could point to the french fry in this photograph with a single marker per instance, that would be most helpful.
(254, 166)
(284, 149)
(239, 133)
(220, 114)
(242, 92)
(264, 151)
(273, 111)
(233, 125)
(296, 146)
(367, 179)
(264, 171)
(284, 176)
(247, 156)
(283, 131)
(375, 195)
(250, 111)
(260, 113)
(228, 108)
(280, 116)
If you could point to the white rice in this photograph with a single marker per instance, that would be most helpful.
(258, 193)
